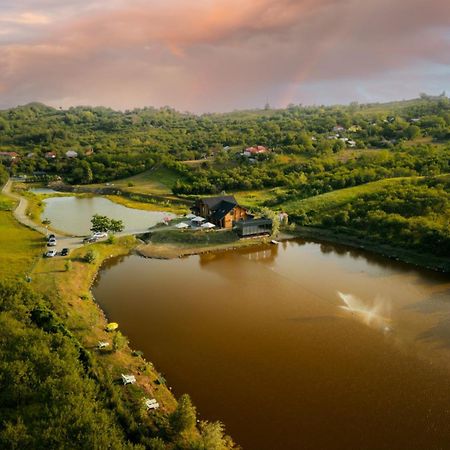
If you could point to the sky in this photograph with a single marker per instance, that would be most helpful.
(221, 55)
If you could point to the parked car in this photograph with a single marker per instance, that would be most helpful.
(99, 235)
(51, 236)
(64, 252)
(50, 254)
(51, 242)
(90, 239)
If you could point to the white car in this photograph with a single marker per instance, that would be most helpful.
(99, 235)
(50, 254)
(51, 243)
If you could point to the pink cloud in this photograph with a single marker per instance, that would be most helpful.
(216, 54)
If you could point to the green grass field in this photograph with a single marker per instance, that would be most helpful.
(6, 204)
(156, 181)
(251, 199)
(19, 246)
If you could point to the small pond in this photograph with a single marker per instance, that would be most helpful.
(73, 214)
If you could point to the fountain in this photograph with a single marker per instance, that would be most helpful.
(375, 315)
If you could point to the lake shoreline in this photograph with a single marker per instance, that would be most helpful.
(430, 262)
(171, 250)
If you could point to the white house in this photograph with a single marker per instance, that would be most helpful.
(71, 154)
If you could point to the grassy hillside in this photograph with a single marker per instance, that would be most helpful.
(19, 246)
(406, 213)
(332, 200)
(159, 181)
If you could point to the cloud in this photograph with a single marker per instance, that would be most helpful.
(25, 18)
(217, 54)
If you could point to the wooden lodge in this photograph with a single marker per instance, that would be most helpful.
(223, 211)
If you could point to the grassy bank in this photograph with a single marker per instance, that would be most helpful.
(66, 282)
(167, 244)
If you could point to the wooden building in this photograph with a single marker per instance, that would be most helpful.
(223, 211)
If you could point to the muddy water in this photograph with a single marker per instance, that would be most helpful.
(296, 346)
(73, 214)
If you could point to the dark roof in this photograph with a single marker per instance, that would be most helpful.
(222, 209)
(213, 202)
(249, 222)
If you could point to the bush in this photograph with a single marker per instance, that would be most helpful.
(90, 256)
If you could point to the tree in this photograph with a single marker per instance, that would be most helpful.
(266, 212)
(185, 415)
(212, 437)
(119, 341)
(103, 224)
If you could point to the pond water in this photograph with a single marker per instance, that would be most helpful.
(296, 346)
(73, 214)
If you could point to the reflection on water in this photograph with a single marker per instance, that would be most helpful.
(296, 346)
(73, 214)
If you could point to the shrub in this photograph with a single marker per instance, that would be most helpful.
(90, 256)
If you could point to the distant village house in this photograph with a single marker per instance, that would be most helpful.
(9, 156)
(71, 154)
(254, 151)
(50, 155)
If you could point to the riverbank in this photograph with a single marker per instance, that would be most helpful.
(169, 244)
(426, 261)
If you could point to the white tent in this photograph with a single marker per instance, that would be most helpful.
(208, 225)
(181, 225)
(190, 216)
(198, 219)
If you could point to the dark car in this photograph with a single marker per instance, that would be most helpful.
(51, 236)
(64, 252)
(90, 239)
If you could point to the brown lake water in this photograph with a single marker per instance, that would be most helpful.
(296, 346)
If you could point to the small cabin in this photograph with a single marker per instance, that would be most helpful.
(254, 227)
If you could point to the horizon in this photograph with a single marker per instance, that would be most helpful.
(254, 109)
(221, 56)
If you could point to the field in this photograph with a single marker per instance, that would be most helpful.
(156, 182)
(252, 199)
(19, 246)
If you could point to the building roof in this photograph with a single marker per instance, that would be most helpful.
(213, 202)
(256, 149)
(9, 154)
(249, 222)
(222, 209)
